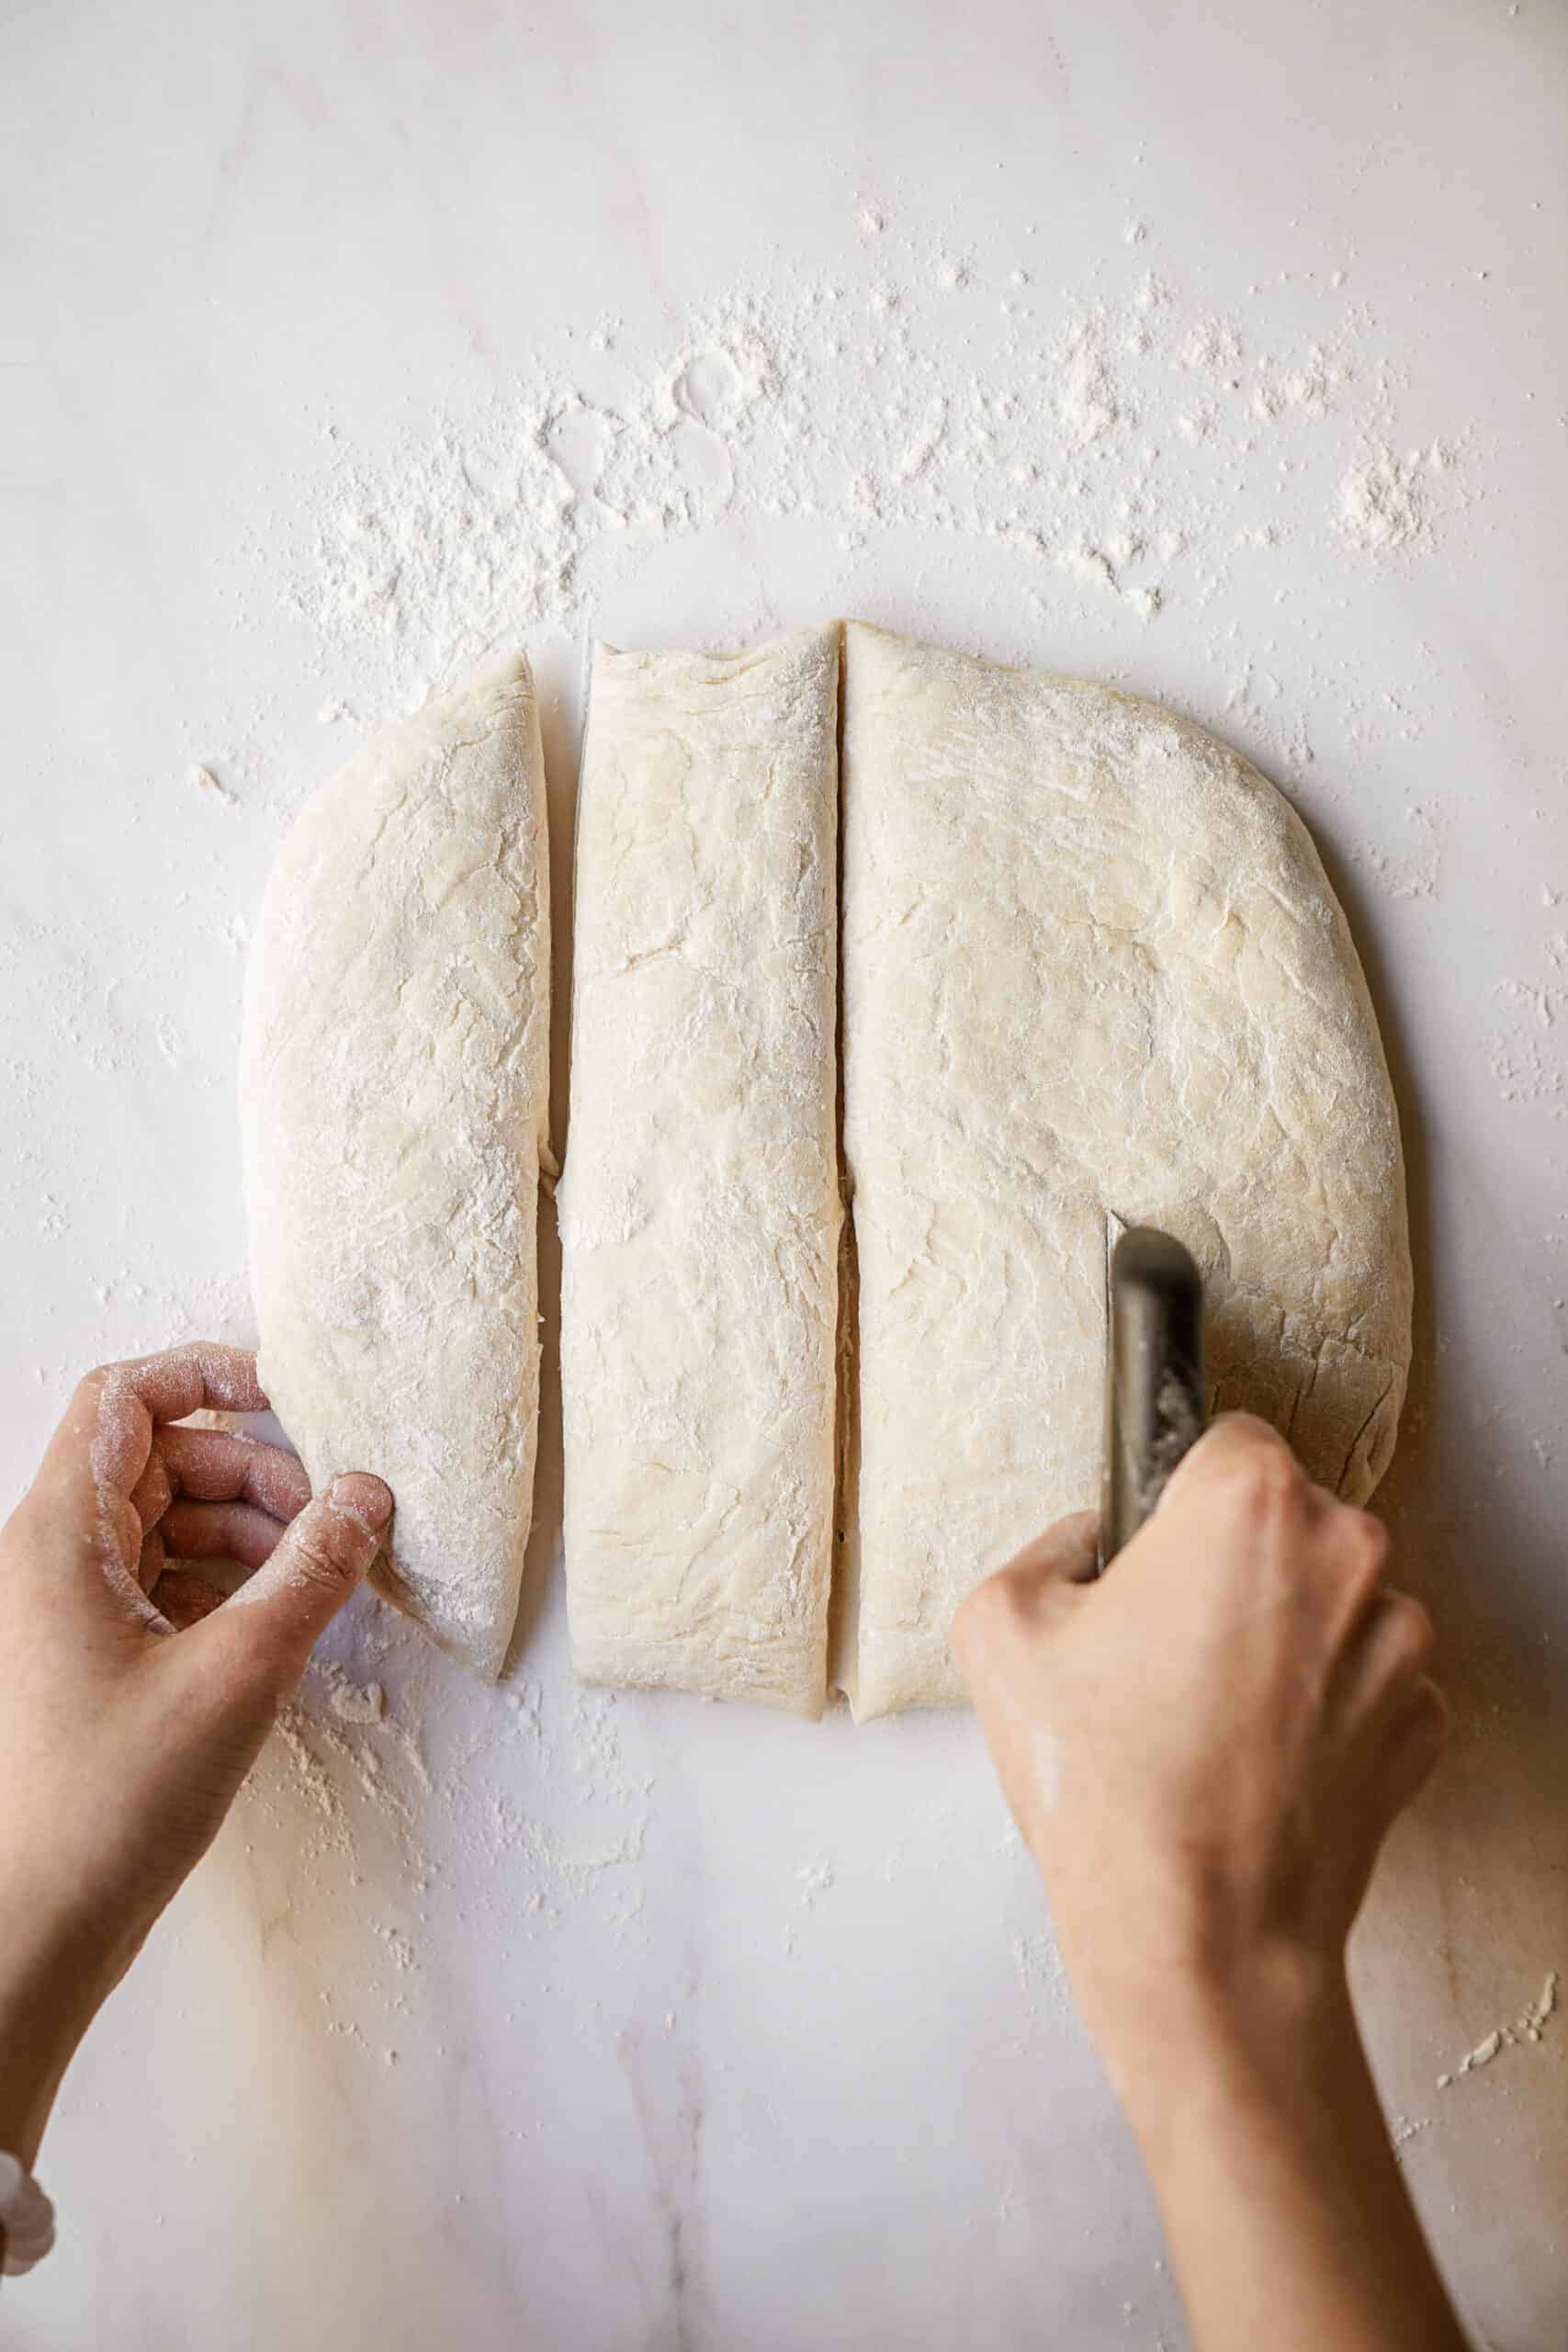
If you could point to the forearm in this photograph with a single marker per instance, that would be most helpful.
(39, 2035)
(1288, 2219)
(53, 1974)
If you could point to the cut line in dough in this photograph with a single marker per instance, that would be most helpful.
(1090, 961)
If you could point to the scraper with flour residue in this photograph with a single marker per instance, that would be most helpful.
(1154, 1397)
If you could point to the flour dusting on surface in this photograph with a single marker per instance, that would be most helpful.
(350, 1792)
(1527, 2028)
(1107, 438)
(1387, 503)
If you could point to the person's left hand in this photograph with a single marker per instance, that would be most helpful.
(134, 1697)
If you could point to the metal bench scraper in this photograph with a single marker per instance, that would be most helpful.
(1156, 1401)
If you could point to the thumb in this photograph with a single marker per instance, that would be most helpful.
(1065, 1554)
(1037, 1583)
(269, 1626)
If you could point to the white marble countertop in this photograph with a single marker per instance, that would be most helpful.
(1217, 348)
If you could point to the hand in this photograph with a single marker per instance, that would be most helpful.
(1205, 1747)
(135, 1697)
(1204, 1751)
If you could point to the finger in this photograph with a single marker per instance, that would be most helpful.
(136, 1397)
(152, 1493)
(1241, 1477)
(1232, 1443)
(186, 1598)
(194, 1531)
(149, 1566)
(262, 1637)
(1384, 1662)
(103, 1444)
(1418, 1740)
(1038, 1581)
(216, 1467)
(1350, 1558)
(200, 1374)
(1064, 1553)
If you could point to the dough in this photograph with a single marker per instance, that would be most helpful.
(394, 1098)
(1090, 963)
(700, 1205)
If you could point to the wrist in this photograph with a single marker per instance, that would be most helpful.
(1273, 2019)
(48, 1999)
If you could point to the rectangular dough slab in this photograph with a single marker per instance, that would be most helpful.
(699, 1209)
(394, 1090)
(979, 1344)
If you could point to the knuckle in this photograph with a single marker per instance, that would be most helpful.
(92, 1398)
(118, 1369)
(1435, 1714)
(1017, 1598)
(1422, 1737)
(323, 1555)
(1373, 1537)
(974, 1614)
(1275, 1475)
(1361, 1544)
(1412, 1634)
(104, 1390)
(1431, 1704)
(991, 1607)
(1403, 1639)
(1261, 1475)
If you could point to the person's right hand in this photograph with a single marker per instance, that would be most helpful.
(1205, 1747)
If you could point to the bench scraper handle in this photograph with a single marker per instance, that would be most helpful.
(1156, 1401)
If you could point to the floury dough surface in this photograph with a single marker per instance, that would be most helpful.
(394, 1096)
(1091, 968)
(1092, 964)
(700, 1207)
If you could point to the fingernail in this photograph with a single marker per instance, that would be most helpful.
(365, 1497)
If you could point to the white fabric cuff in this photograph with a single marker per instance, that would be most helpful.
(26, 2216)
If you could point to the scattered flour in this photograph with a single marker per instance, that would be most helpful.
(352, 1705)
(1097, 442)
(314, 1785)
(1039, 1970)
(347, 1795)
(1528, 2026)
(814, 1879)
(1523, 1060)
(1389, 503)
(1414, 873)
